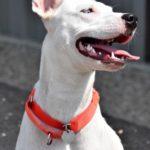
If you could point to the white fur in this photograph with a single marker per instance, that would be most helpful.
(66, 77)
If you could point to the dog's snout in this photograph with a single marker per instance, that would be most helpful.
(130, 20)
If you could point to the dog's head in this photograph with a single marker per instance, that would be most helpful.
(84, 31)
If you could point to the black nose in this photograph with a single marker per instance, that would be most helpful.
(131, 21)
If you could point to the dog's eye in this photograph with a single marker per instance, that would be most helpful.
(89, 10)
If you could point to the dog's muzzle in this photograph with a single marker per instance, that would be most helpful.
(131, 22)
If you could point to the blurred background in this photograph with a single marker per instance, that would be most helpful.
(125, 95)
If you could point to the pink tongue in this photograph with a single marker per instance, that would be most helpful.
(126, 54)
(122, 53)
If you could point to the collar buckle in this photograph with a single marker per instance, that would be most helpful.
(67, 127)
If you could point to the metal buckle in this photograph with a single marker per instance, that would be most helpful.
(49, 139)
(68, 135)
(67, 127)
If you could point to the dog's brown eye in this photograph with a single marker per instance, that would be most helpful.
(89, 10)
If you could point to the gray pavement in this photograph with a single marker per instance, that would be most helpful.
(125, 95)
(11, 110)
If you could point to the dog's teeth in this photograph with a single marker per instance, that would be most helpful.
(81, 46)
(90, 48)
(93, 51)
(100, 54)
(112, 55)
(111, 41)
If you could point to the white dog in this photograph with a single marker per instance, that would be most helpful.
(78, 42)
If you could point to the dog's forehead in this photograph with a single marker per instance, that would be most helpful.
(79, 1)
(79, 4)
(73, 4)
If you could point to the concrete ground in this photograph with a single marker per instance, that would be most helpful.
(124, 95)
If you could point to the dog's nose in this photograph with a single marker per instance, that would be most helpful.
(130, 20)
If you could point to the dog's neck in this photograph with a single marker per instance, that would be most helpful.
(62, 91)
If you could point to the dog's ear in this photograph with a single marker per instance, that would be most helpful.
(45, 8)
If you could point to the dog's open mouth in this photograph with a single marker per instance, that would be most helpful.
(102, 49)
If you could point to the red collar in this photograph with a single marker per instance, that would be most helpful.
(55, 128)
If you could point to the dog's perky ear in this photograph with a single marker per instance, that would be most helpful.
(45, 8)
